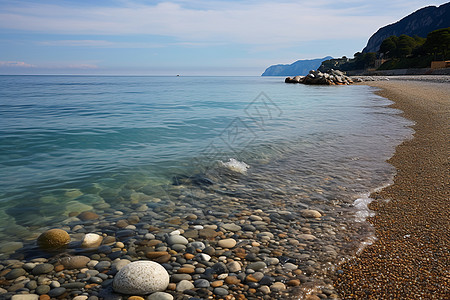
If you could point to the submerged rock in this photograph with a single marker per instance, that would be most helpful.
(53, 239)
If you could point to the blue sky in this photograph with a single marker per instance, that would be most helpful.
(199, 37)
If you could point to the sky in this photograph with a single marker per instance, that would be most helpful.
(198, 37)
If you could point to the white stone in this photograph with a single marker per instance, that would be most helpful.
(91, 240)
(160, 296)
(177, 239)
(204, 257)
(140, 278)
(175, 232)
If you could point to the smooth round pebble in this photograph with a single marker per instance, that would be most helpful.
(227, 243)
(140, 278)
(53, 239)
(160, 296)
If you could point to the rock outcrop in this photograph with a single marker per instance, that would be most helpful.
(420, 22)
(335, 77)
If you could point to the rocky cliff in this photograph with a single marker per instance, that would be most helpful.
(420, 23)
(300, 67)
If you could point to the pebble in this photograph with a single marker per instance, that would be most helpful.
(88, 215)
(278, 286)
(25, 297)
(220, 291)
(234, 266)
(160, 296)
(42, 269)
(91, 240)
(15, 273)
(310, 213)
(177, 239)
(56, 292)
(259, 265)
(227, 243)
(141, 277)
(53, 239)
(231, 227)
(200, 251)
(184, 285)
(201, 283)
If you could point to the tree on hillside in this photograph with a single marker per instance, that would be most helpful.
(405, 45)
(389, 46)
(438, 43)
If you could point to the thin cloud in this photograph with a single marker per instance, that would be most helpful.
(15, 64)
(247, 22)
(99, 44)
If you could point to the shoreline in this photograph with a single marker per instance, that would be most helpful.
(410, 256)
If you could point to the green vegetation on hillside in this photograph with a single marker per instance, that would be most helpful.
(405, 52)
(400, 52)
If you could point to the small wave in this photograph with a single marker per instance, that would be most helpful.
(362, 209)
(236, 166)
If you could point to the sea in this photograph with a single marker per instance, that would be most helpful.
(215, 145)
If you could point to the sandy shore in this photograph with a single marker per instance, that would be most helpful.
(410, 259)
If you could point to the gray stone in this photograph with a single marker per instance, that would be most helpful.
(103, 265)
(73, 285)
(96, 279)
(179, 277)
(231, 227)
(42, 269)
(75, 262)
(160, 296)
(57, 292)
(259, 265)
(184, 285)
(202, 283)
(14, 273)
(177, 239)
(198, 245)
(119, 264)
(140, 278)
(31, 285)
(290, 266)
(220, 291)
(234, 266)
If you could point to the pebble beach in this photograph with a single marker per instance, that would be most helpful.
(236, 243)
(410, 258)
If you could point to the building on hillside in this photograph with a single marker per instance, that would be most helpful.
(440, 64)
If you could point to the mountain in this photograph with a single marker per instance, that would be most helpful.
(300, 67)
(420, 22)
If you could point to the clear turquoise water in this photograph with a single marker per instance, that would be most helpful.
(69, 141)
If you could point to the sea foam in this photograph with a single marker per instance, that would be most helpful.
(236, 166)
(362, 208)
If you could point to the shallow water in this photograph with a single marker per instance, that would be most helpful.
(75, 143)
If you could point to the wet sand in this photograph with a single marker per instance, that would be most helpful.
(410, 259)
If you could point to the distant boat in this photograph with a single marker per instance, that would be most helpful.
(178, 75)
